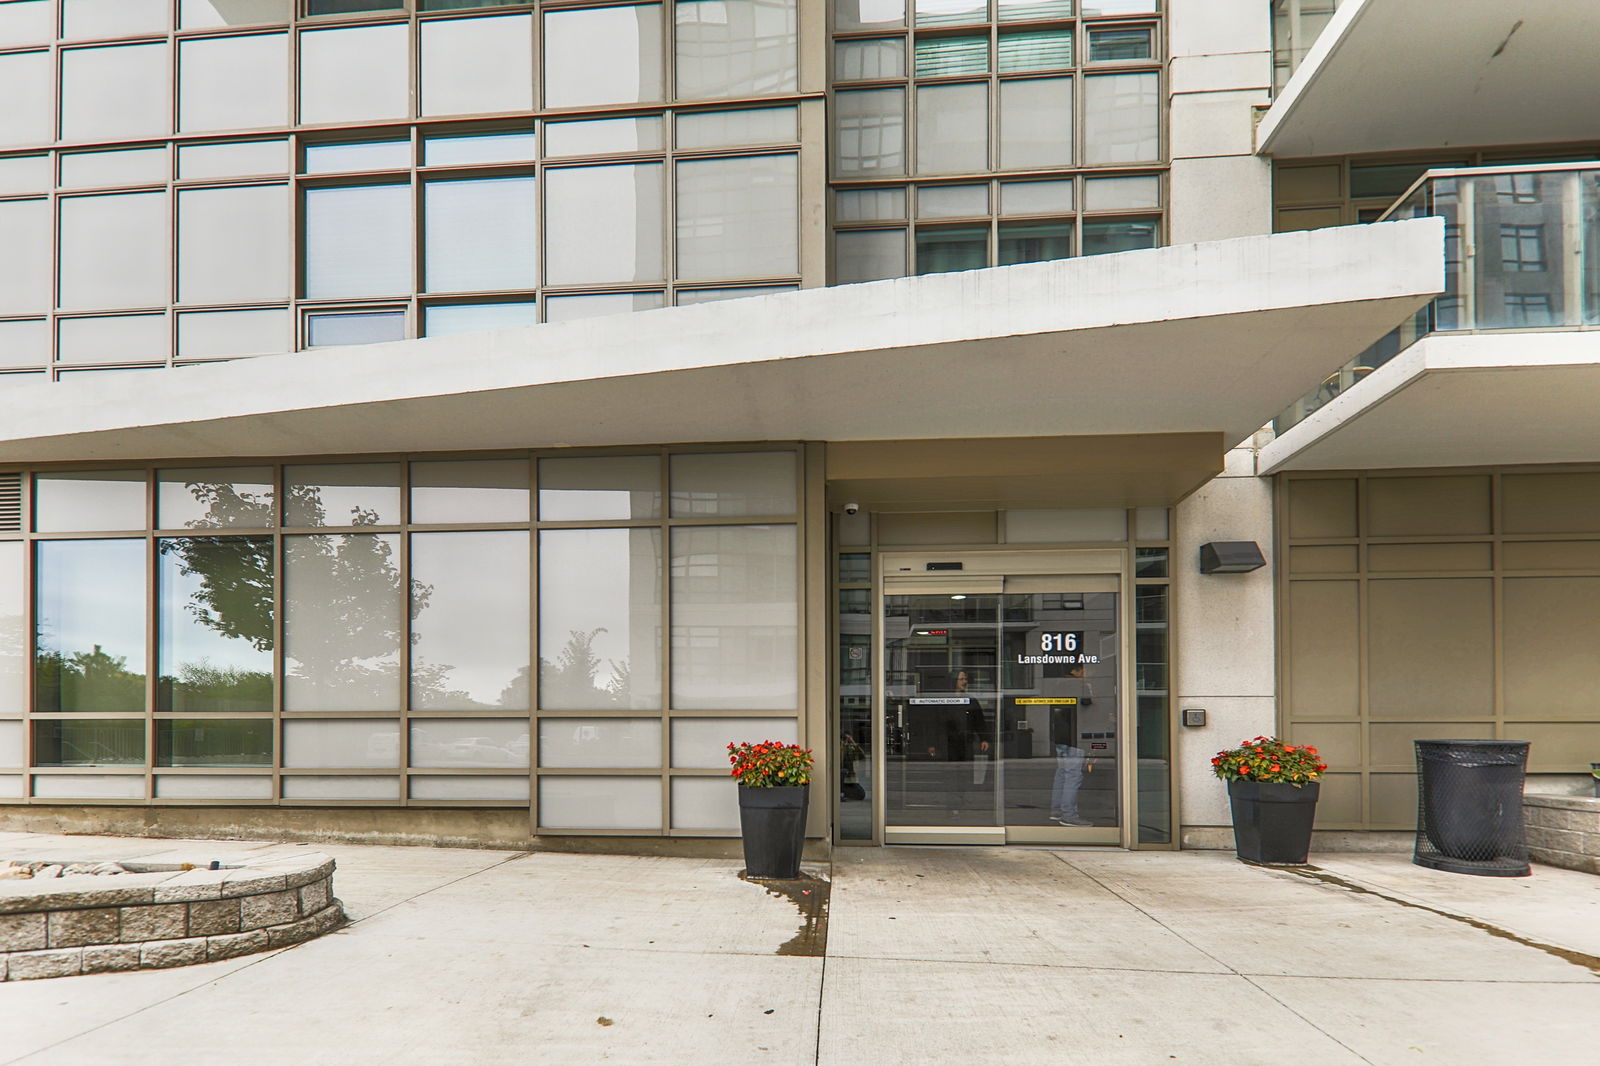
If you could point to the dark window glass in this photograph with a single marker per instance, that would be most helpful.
(1035, 244)
(96, 742)
(940, 250)
(214, 742)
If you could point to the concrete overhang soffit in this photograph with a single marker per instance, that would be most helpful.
(1395, 75)
(1210, 338)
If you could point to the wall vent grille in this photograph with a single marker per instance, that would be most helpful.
(10, 503)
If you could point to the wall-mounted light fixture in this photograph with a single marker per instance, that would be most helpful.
(1231, 557)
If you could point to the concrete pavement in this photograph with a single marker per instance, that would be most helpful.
(958, 955)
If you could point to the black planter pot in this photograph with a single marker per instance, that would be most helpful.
(1594, 768)
(773, 823)
(1272, 822)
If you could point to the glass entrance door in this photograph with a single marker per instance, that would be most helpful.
(1003, 713)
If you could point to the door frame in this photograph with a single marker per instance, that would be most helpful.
(908, 573)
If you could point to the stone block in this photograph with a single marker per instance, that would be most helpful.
(111, 958)
(74, 929)
(315, 896)
(22, 932)
(252, 883)
(325, 920)
(320, 872)
(160, 953)
(164, 921)
(1554, 839)
(31, 964)
(213, 917)
(235, 944)
(273, 908)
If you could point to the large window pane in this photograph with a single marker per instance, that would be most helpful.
(735, 48)
(342, 494)
(868, 14)
(112, 339)
(214, 742)
(600, 743)
(871, 131)
(950, 12)
(26, 84)
(477, 65)
(203, 14)
(214, 498)
(952, 128)
(114, 250)
(738, 218)
(89, 501)
(89, 597)
(342, 606)
(945, 249)
(1122, 119)
(96, 742)
(869, 255)
(601, 488)
(732, 484)
(211, 71)
(1036, 50)
(233, 244)
(354, 74)
(215, 618)
(13, 630)
(733, 618)
(442, 320)
(25, 266)
(480, 234)
(604, 55)
(603, 224)
(358, 241)
(204, 334)
(1035, 123)
(482, 743)
(26, 22)
(115, 94)
(469, 621)
(599, 619)
(493, 490)
(341, 744)
(112, 18)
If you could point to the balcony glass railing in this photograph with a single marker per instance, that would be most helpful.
(1521, 250)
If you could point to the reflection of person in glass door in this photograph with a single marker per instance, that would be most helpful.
(976, 740)
(1071, 764)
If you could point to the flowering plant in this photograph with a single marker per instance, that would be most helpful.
(1269, 759)
(770, 764)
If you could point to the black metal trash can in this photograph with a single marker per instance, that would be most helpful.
(1469, 807)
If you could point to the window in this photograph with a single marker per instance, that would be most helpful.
(477, 65)
(603, 55)
(211, 71)
(233, 244)
(1522, 248)
(480, 234)
(358, 241)
(354, 74)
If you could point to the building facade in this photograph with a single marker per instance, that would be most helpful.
(342, 493)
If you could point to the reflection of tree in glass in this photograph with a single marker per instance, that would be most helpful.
(87, 681)
(569, 682)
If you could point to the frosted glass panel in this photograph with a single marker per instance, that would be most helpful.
(869, 255)
(89, 786)
(219, 333)
(342, 494)
(239, 159)
(607, 487)
(13, 631)
(480, 234)
(733, 483)
(25, 173)
(112, 18)
(494, 490)
(862, 60)
(687, 297)
(952, 201)
(603, 136)
(445, 319)
(470, 624)
(870, 127)
(343, 601)
(1035, 123)
(705, 803)
(477, 65)
(373, 327)
(332, 743)
(606, 55)
(342, 157)
(735, 48)
(1035, 197)
(11, 786)
(952, 128)
(214, 498)
(738, 218)
(1150, 523)
(24, 342)
(702, 743)
(572, 308)
(510, 146)
(203, 14)
(112, 339)
(354, 74)
(114, 250)
(27, 86)
(1122, 119)
(25, 267)
(89, 599)
(233, 244)
(733, 618)
(868, 14)
(718, 129)
(476, 787)
(603, 224)
(211, 72)
(88, 501)
(599, 619)
(12, 749)
(865, 205)
(469, 742)
(320, 787)
(137, 166)
(600, 743)
(1121, 194)
(212, 786)
(1050, 526)
(358, 241)
(600, 803)
(115, 94)
(26, 22)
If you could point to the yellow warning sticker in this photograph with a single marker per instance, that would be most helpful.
(1068, 700)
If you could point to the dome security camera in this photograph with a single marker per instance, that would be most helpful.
(852, 508)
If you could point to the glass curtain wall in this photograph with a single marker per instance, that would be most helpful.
(315, 174)
(587, 633)
(972, 134)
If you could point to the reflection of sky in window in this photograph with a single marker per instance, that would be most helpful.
(475, 624)
(91, 592)
(185, 640)
(11, 632)
(593, 579)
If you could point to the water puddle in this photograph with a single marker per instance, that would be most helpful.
(810, 897)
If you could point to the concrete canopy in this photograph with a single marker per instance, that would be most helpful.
(1208, 338)
(1390, 75)
(1459, 400)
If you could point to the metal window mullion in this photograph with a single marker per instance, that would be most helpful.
(407, 635)
(279, 631)
(666, 663)
(152, 621)
(534, 621)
